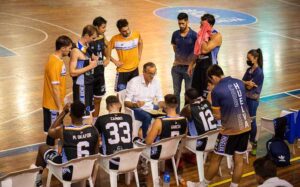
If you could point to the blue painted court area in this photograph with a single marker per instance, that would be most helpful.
(223, 17)
(4, 52)
(34, 147)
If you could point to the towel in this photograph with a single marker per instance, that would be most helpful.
(203, 35)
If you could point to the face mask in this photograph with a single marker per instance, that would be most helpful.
(249, 63)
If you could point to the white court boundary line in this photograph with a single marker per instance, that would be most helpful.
(41, 21)
(246, 26)
(8, 50)
(289, 3)
(292, 95)
(33, 28)
(29, 145)
(21, 116)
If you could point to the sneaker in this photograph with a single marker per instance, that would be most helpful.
(254, 149)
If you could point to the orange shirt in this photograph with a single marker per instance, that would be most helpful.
(55, 73)
(128, 51)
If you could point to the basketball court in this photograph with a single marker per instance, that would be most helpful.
(29, 30)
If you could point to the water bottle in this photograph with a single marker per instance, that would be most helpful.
(166, 179)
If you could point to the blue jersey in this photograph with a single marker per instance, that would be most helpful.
(257, 76)
(171, 126)
(87, 77)
(229, 95)
(215, 51)
(184, 47)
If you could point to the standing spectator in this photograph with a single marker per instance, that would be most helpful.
(55, 83)
(253, 79)
(183, 41)
(206, 51)
(229, 105)
(129, 46)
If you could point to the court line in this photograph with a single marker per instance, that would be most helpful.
(8, 77)
(20, 150)
(279, 93)
(33, 28)
(272, 33)
(41, 21)
(21, 116)
(247, 26)
(245, 175)
(8, 49)
(289, 3)
(292, 95)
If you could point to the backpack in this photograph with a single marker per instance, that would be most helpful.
(278, 152)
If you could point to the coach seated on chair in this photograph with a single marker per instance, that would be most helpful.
(141, 92)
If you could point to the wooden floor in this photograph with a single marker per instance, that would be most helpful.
(29, 29)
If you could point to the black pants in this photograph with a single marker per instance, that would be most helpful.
(199, 81)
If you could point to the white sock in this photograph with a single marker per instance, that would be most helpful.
(234, 184)
(206, 182)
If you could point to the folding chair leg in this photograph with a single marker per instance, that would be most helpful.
(66, 184)
(91, 182)
(113, 177)
(128, 178)
(49, 179)
(175, 170)
(180, 149)
(136, 178)
(154, 172)
(200, 164)
(229, 161)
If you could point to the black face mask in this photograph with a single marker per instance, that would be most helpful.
(249, 63)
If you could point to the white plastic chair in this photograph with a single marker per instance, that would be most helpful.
(190, 143)
(82, 170)
(136, 124)
(25, 178)
(169, 148)
(268, 125)
(128, 162)
(121, 95)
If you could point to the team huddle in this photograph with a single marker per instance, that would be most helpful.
(213, 101)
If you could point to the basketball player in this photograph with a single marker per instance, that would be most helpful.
(82, 69)
(129, 46)
(78, 140)
(167, 126)
(115, 129)
(200, 117)
(206, 57)
(229, 105)
(55, 83)
(99, 48)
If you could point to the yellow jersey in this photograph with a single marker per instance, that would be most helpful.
(55, 73)
(128, 50)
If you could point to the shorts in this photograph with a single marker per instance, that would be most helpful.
(52, 155)
(84, 94)
(99, 85)
(122, 78)
(200, 79)
(230, 144)
(49, 118)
